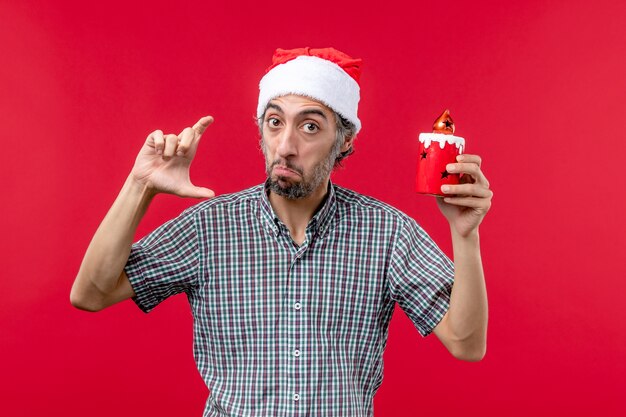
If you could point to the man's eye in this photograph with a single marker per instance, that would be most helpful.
(311, 127)
(273, 122)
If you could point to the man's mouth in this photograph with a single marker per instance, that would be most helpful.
(285, 170)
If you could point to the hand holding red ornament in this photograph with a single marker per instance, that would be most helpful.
(467, 203)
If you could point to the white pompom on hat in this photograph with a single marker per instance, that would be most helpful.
(324, 74)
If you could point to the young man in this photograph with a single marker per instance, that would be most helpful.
(292, 283)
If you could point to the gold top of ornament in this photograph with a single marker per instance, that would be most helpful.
(444, 124)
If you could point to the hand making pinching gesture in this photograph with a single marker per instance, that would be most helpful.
(164, 160)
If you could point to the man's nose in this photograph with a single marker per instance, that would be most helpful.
(287, 142)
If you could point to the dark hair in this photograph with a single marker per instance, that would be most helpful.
(345, 131)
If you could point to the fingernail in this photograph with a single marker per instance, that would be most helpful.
(450, 167)
(445, 188)
(459, 158)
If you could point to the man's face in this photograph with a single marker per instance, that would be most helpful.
(299, 144)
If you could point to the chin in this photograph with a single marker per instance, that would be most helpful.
(288, 189)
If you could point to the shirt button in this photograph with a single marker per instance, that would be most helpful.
(296, 306)
(296, 353)
(296, 397)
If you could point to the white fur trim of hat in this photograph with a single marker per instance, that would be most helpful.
(313, 77)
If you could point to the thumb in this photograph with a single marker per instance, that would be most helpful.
(197, 192)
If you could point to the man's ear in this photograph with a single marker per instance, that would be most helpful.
(347, 143)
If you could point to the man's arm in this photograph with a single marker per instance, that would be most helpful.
(161, 166)
(101, 280)
(463, 329)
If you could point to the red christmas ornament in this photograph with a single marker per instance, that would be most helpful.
(436, 151)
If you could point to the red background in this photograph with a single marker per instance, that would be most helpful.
(537, 88)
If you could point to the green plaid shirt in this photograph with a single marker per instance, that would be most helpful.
(288, 330)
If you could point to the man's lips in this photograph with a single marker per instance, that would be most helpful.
(284, 171)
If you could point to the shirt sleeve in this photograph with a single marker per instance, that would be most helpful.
(421, 277)
(165, 262)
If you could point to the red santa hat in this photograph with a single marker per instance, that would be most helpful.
(325, 74)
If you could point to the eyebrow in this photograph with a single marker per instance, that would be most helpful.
(273, 106)
(313, 111)
(302, 113)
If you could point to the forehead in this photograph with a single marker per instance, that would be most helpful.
(295, 104)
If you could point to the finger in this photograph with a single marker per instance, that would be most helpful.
(202, 124)
(473, 190)
(473, 202)
(468, 168)
(171, 142)
(184, 141)
(469, 158)
(159, 142)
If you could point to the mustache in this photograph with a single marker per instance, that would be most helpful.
(287, 164)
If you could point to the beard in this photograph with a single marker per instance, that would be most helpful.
(309, 182)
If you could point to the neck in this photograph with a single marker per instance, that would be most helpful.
(296, 214)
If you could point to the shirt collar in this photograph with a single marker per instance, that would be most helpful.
(319, 223)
